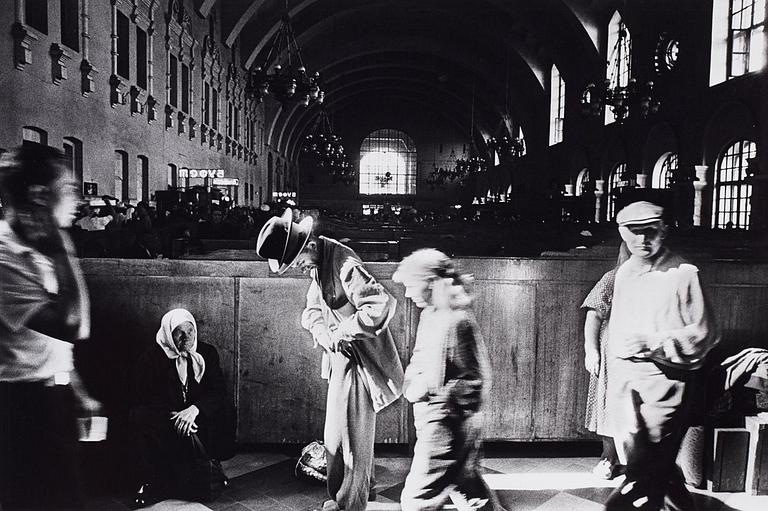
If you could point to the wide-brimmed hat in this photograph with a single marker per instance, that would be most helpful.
(281, 240)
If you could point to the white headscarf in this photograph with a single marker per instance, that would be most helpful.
(164, 337)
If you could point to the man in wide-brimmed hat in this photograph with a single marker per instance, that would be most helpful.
(347, 314)
(660, 332)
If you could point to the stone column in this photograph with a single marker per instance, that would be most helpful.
(642, 180)
(599, 191)
(698, 185)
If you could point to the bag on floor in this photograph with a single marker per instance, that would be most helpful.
(312, 462)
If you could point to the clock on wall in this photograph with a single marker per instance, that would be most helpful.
(666, 53)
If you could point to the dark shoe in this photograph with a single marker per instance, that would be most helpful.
(145, 496)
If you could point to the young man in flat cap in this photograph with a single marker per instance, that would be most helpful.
(347, 314)
(660, 331)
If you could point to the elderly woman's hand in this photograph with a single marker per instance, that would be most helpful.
(184, 421)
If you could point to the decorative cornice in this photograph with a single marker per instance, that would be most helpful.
(22, 45)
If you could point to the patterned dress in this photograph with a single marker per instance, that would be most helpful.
(599, 300)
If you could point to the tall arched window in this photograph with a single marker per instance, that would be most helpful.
(582, 182)
(556, 106)
(619, 58)
(663, 171)
(732, 194)
(142, 177)
(121, 176)
(614, 180)
(73, 152)
(388, 163)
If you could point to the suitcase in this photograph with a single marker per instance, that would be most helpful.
(756, 482)
(729, 460)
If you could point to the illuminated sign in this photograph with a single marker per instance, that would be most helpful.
(201, 173)
(226, 181)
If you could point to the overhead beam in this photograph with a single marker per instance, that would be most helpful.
(205, 7)
(244, 18)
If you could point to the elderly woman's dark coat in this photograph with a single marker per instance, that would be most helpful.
(157, 392)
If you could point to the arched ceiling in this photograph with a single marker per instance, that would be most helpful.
(473, 61)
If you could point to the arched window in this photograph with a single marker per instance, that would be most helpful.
(582, 182)
(33, 135)
(121, 176)
(663, 171)
(388, 163)
(619, 58)
(614, 180)
(732, 193)
(556, 106)
(73, 152)
(142, 177)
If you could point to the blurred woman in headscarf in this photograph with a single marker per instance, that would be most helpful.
(447, 380)
(178, 390)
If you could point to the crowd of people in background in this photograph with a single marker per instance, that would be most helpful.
(110, 228)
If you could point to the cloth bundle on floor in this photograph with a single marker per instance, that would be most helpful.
(312, 462)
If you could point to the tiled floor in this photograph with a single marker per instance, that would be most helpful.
(264, 481)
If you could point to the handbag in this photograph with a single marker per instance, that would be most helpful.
(206, 480)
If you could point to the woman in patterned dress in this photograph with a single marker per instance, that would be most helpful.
(598, 308)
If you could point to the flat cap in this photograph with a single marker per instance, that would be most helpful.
(639, 213)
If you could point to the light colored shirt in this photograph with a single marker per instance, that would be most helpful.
(94, 223)
(27, 284)
(662, 305)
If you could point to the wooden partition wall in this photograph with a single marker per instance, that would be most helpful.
(528, 311)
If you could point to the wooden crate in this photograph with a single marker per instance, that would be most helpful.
(729, 460)
(756, 482)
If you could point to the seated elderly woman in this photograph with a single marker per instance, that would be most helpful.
(179, 392)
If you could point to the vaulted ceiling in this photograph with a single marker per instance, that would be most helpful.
(470, 60)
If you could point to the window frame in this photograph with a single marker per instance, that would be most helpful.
(742, 150)
(556, 107)
(749, 32)
(613, 180)
(69, 15)
(123, 33)
(382, 141)
(624, 57)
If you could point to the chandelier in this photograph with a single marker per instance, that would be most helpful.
(326, 148)
(286, 83)
(506, 145)
(620, 92)
(471, 165)
(440, 176)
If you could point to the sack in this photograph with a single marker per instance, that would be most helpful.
(206, 479)
(312, 462)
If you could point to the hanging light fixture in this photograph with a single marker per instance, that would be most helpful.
(444, 174)
(506, 145)
(475, 163)
(326, 148)
(620, 92)
(287, 79)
